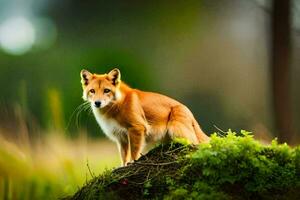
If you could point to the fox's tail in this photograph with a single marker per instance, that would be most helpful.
(202, 137)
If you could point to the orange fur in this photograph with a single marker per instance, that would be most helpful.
(134, 118)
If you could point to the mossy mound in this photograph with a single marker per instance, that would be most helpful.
(230, 167)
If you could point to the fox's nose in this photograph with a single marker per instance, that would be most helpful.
(97, 104)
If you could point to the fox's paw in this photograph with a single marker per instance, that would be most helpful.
(130, 162)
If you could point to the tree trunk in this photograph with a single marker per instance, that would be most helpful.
(280, 61)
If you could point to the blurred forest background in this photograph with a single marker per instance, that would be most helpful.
(234, 63)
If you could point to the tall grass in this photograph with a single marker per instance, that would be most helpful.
(48, 164)
(52, 167)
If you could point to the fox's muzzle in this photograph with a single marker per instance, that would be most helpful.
(97, 104)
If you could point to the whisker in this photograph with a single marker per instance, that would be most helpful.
(90, 111)
(76, 114)
(83, 108)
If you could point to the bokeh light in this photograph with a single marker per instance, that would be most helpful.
(17, 35)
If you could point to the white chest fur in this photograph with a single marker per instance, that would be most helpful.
(110, 127)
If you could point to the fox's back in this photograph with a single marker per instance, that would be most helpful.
(157, 107)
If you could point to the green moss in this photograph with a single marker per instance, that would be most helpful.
(231, 167)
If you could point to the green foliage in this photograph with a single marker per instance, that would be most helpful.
(230, 167)
(245, 162)
(96, 188)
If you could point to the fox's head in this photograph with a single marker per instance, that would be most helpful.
(101, 89)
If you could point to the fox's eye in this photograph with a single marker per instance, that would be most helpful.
(106, 90)
(92, 91)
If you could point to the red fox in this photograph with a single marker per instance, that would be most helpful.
(134, 118)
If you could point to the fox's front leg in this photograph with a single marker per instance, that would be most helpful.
(123, 147)
(136, 140)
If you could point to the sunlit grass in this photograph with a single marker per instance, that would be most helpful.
(53, 166)
(48, 164)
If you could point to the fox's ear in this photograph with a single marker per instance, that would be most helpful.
(86, 76)
(115, 76)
